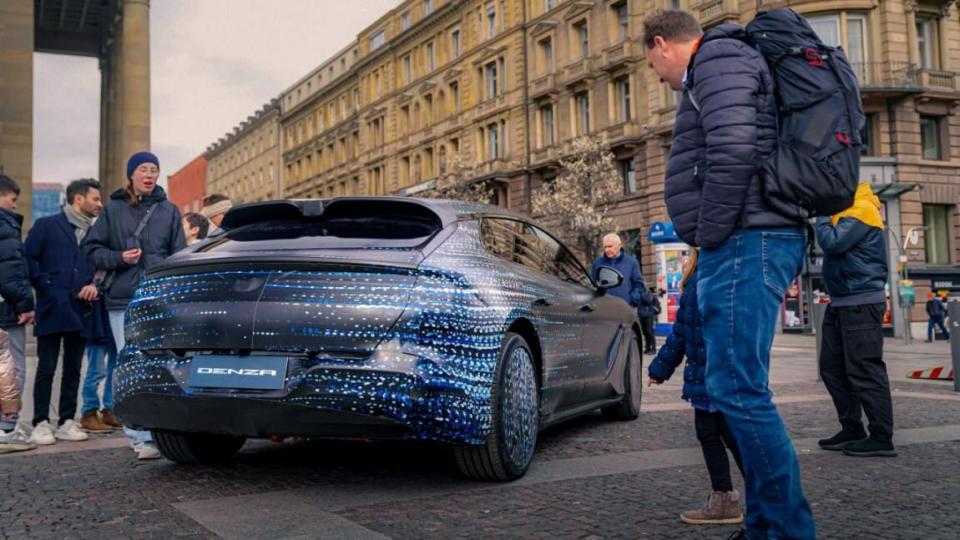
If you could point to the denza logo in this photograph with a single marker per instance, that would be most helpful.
(230, 371)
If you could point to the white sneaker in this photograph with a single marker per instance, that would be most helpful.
(43, 434)
(15, 441)
(146, 451)
(70, 431)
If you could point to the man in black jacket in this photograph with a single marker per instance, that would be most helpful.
(936, 312)
(851, 358)
(725, 125)
(16, 296)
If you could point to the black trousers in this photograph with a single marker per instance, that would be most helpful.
(649, 337)
(715, 438)
(48, 352)
(852, 368)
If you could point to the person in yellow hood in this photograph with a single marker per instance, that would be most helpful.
(851, 356)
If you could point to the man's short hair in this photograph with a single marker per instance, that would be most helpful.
(214, 198)
(671, 25)
(201, 223)
(81, 187)
(8, 186)
(613, 236)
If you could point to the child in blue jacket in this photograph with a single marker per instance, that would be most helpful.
(686, 339)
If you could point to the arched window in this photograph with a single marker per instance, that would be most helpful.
(442, 159)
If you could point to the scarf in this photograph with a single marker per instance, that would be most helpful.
(866, 208)
(80, 222)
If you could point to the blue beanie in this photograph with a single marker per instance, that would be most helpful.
(139, 159)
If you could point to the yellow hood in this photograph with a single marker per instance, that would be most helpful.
(866, 208)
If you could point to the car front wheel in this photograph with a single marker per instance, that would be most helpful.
(509, 448)
(197, 448)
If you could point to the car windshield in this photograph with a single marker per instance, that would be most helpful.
(341, 226)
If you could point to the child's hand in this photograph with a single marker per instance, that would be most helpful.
(652, 382)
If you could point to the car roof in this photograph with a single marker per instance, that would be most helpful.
(447, 210)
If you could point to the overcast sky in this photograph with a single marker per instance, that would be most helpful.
(213, 62)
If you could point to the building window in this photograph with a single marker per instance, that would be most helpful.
(428, 163)
(931, 140)
(405, 170)
(427, 110)
(936, 238)
(493, 142)
(583, 112)
(828, 28)
(491, 21)
(431, 57)
(622, 20)
(405, 21)
(407, 69)
(405, 119)
(870, 140)
(623, 98)
(442, 159)
(582, 37)
(925, 42)
(548, 4)
(356, 99)
(455, 42)
(546, 124)
(546, 54)
(502, 71)
(491, 76)
(417, 169)
(455, 97)
(629, 176)
(427, 7)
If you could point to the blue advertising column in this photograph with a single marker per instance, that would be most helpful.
(671, 255)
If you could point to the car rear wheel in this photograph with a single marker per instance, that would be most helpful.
(509, 448)
(629, 406)
(197, 448)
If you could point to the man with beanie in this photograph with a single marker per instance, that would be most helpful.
(215, 206)
(137, 230)
(63, 280)
(851, 359)
(16, 297)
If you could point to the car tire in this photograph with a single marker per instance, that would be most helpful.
(515, 404)
(197, 448)
(629, 406)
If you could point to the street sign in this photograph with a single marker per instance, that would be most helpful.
(914, 237)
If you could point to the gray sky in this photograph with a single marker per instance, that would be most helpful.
(213, 62)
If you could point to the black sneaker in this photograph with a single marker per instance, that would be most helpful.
(840, 440)
(870, 448)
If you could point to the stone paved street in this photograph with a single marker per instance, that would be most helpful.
(591, 478)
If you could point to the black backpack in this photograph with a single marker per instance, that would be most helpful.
(816, 166)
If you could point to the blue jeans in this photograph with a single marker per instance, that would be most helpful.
(116, 326)
(936, 321)
(742, 285)
(101, 360)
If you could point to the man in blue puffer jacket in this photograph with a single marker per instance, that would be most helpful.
(851, 358)
(725, 126)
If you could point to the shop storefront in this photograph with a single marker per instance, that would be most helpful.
(671, 255)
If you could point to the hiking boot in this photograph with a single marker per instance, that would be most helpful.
(870, 448)
(838, 441)
(720, 507)
(15, 441)
(107, 417)
(43, 434)
(70, 431)
(91, 423)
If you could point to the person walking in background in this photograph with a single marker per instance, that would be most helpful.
(749, 253)
(648, 311)
(851, 356)
(137, 230)
(63, 280)
(16, 295)
(686, 339)
(936, 312)
(15, 440)
(195, 228)
(632, 289)
(215, 206)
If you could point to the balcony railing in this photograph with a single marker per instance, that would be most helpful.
(938, 80)
(894, 76)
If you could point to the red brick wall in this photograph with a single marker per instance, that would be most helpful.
(187, 186)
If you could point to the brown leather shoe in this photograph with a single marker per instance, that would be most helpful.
(91, 423)
(109, 419)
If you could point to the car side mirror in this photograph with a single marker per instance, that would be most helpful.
(608, 278)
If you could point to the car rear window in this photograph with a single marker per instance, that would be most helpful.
(356, 224)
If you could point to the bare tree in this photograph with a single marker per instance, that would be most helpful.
(578, 200)
(460, 183)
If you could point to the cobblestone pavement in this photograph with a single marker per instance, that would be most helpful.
(591, 479)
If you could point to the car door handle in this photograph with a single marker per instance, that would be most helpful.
(541, 302)
(588, 307)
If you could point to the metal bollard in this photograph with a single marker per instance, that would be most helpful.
(953, 311)
(819, 313)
